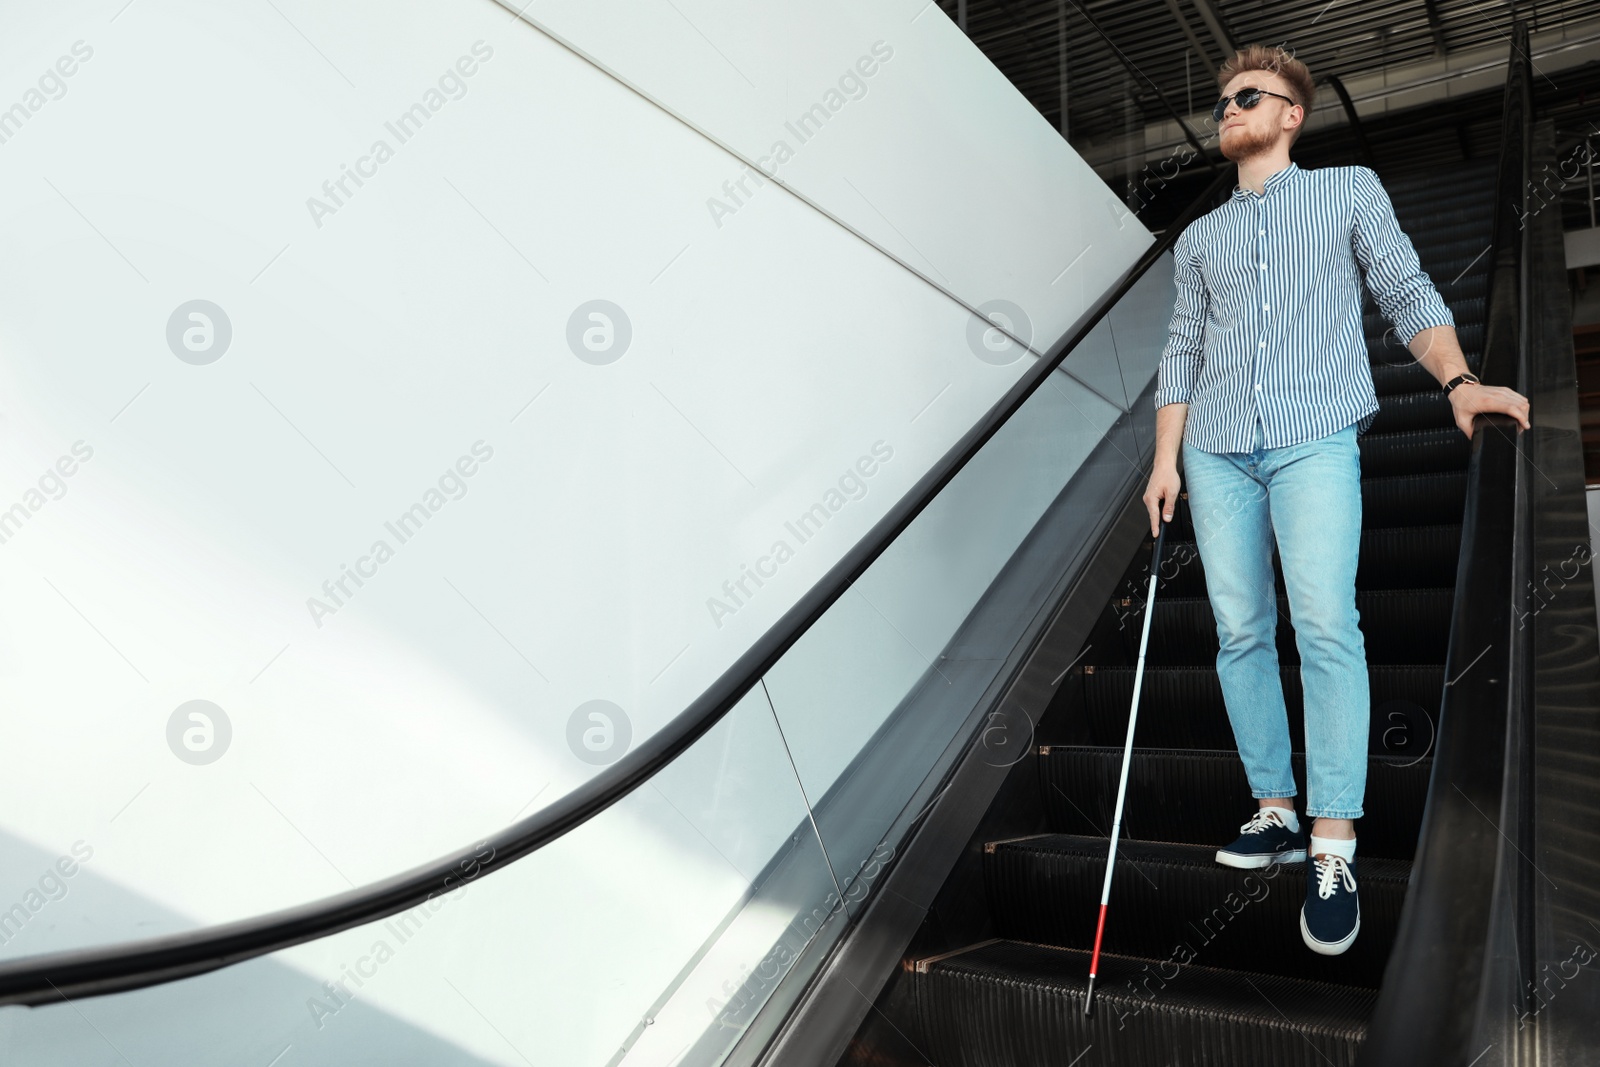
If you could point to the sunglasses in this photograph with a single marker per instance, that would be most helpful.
(1246, 98)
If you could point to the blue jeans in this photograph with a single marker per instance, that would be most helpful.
(1308, 496)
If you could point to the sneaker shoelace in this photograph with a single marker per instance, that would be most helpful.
(1330, 872)
(1263, 820)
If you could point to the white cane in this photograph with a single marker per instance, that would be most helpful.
(1127, 754)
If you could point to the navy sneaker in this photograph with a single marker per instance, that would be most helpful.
(1264, 840)
(1331, 917)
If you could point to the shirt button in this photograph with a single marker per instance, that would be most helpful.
(1263, 233)
(1258, 387)
(1263, 266)
(1263, 345)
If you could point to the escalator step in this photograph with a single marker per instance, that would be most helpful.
(1399, 626)
(1202, 797)
(1466, 176)
(1414, 451)
(1395, 370)
(1449, 233)
(1465, 211)
(1427, 409)
(1384, 345)
(1397, 556)
(1009, 1004)
(1466, 309)
(1470, 183)
(1394, 557)
(1459, 224)
(1427, 499)
(1170, 898)
(1405, 700)
(1205, 964)
(1452, 229)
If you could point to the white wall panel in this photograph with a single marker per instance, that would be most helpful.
(380, 332)
(914, 139)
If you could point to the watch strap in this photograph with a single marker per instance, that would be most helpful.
(1459, 379)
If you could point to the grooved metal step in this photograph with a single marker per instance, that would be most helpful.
(1399, 626)
(1395, 557)
(1046, 890)
(1010, 1004)
(1396, 370)
(1425, 409)
(1430, 499)
(1204, 964)
(1468, 308)
(1414, 451)
(1200, 797)
(1405, 701)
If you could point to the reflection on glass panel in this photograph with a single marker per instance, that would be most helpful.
(889, 645)
(640, 928)
(1094, 364)
(1139, 323)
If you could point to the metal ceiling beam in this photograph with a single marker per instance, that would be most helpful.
(1561, 51)
(1432, 7)
(1213, 22)
(1022, 38)
(1188, 31)
(1061, 56)
(1133, 69)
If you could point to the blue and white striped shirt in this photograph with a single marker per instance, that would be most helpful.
(1267, 323)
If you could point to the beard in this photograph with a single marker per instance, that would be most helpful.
(1246, 143)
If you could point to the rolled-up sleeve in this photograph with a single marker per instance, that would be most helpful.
(1404, 292)
(1185, 350)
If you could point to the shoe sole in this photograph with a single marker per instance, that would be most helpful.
(1328, 948)
(1253, 863)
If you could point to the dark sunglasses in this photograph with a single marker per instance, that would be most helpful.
(1247, 98)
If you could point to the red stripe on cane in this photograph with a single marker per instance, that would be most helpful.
(1099, 930)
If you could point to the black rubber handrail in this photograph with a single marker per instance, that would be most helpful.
(1430, 1007)
(133, 965)
(1362, 147)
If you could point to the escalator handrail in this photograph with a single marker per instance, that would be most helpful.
(1138, 72)
(1432, 995)
(1363, 148)
(120, 967)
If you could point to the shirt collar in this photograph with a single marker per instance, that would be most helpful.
(1272, 182)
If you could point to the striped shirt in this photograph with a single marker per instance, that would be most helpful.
(1267, 324)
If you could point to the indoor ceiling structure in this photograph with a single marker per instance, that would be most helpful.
(1098, 70)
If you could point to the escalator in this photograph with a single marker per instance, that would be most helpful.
(1475, 874)
(1198, 957)
(1465, 912)
(837, 768)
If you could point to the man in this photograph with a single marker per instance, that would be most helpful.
(1267, 350)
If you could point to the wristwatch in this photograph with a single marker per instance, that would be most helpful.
(1458, 379)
